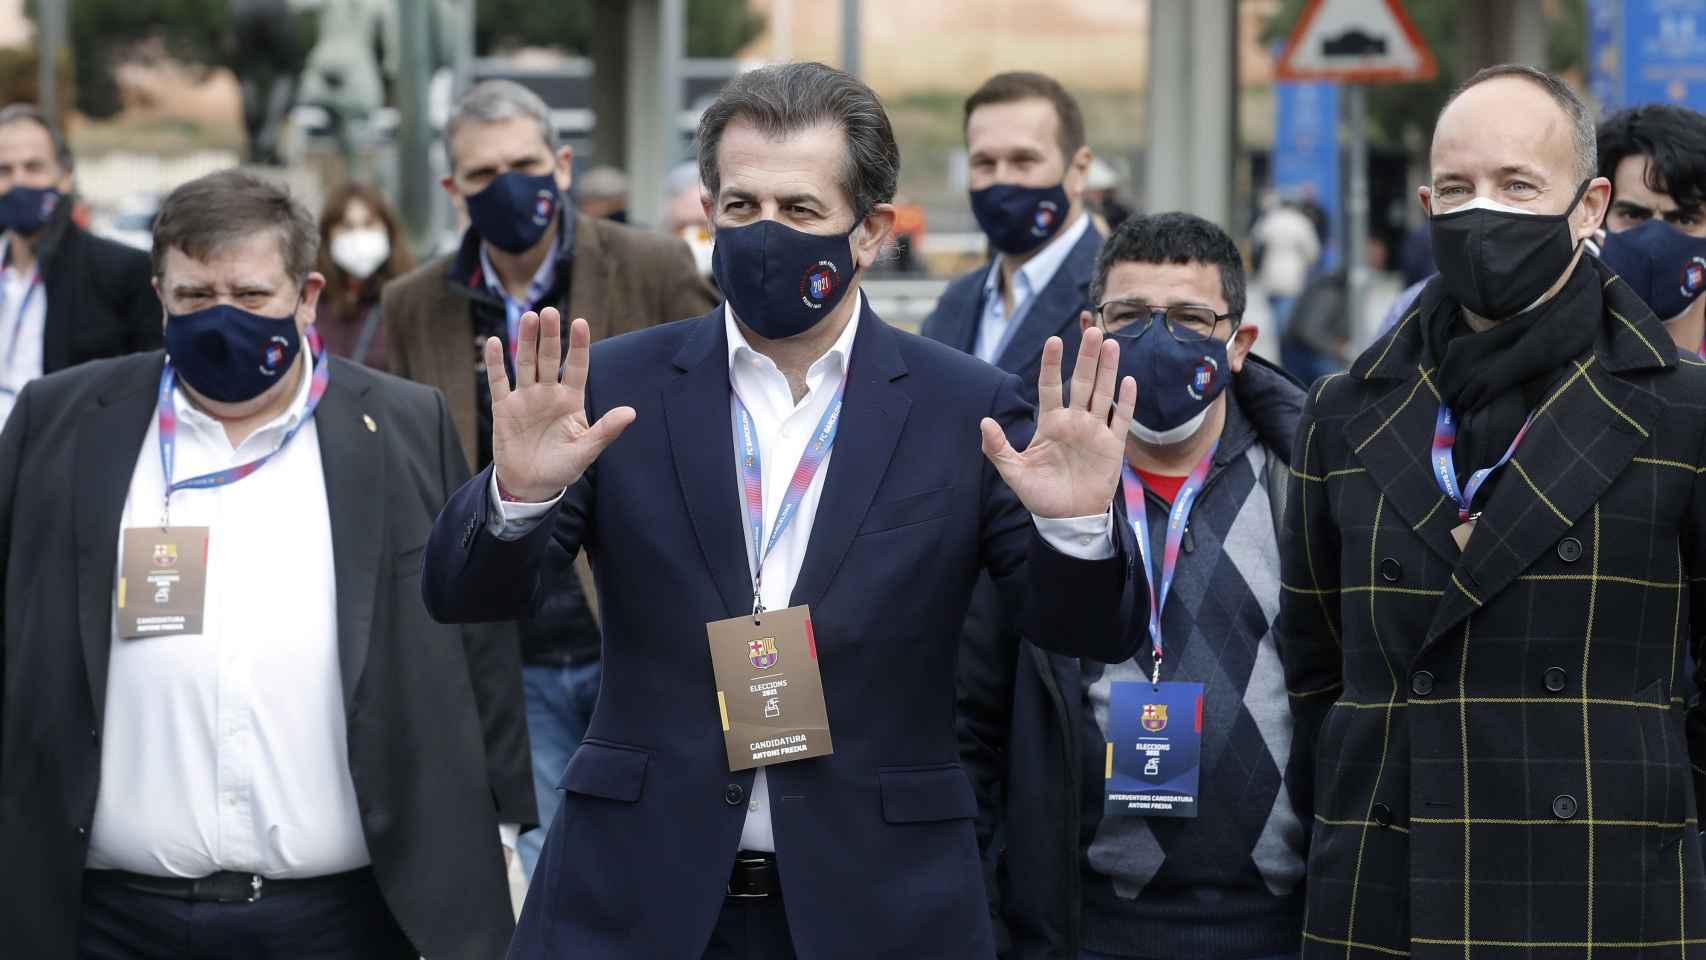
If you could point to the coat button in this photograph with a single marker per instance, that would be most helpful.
(1563, 806)
(1391, 570)
(1569, 549)
(1382, 815)
(1555, 679)
(1422, 683)
(83, 831)
(733, 794)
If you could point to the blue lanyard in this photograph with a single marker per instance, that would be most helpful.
(752, 478)
(18, 324)
(1445, 469)
(1137, 514)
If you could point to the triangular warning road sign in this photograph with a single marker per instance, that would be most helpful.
(1356, 41)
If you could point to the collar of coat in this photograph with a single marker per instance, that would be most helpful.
(1631, 338)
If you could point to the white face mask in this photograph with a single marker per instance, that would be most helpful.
(1166, 438)
(361, 252)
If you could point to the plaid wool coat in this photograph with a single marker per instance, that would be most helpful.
(1502, 735)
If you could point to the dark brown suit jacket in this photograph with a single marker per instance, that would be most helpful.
(622, 279)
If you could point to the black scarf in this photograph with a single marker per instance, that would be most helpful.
(1491, 379)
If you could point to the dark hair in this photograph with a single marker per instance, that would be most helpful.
(789, 97)
(30, 113)
(212, 212)
(1173, 238)
(1671, 137)
(337, 204)
(1025, 85)
(1582, 135)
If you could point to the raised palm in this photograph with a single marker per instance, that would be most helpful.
(1071, 467)
(541, 441)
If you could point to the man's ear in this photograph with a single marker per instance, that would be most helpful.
(1590, 211)
(878, 224)
(306, 308)
(565, 168)
(1077, 174)
(1426, 196)
(1239, 346)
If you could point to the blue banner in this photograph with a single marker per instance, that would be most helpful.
(1306, 151)
(1647, 51)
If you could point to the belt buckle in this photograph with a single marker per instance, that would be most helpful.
(728, 888)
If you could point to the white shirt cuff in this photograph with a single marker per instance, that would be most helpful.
(1084, 538)
(510, 520)
(508, 833)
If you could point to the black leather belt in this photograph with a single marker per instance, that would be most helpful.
(754, 875)
(222, 887)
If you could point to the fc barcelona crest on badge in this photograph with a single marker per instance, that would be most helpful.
(762, 653)
(1203, 378)
(165, 554)
(1154, 717)
(818, 283)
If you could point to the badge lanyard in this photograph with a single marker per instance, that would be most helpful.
(752, 479)
(18, 323)
(1445, 470)
(1137, 514)
(168, 420)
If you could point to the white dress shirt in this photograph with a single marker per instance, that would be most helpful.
(783, 428)
(996, 326)
(23, 324)
(227, 750)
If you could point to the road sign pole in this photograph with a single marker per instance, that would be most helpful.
(1356, 210)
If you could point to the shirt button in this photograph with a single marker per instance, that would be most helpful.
(753, 806)
(1422, 683)
(1563, 806)
(733, 794)
(1555, 679)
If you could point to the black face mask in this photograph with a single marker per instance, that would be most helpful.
(1496, 261)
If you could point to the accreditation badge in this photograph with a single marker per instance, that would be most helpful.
(1154, 749)
(162, 582)
(769, 691)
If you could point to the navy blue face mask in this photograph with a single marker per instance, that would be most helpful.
(228, 354)
(1664, 266)
(1176, 382)
(515, 210)
(781, 281)
(1019, 219)
(25, 209)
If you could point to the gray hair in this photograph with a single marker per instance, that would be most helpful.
(786, 98)
(1584, 133)
(211, 213)
(30, 113)
(495, 101)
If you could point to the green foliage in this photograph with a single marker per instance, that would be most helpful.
(715, 28)
(105, 32)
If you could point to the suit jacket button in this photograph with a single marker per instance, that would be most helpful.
(1563, 806)
(1391, 570)
(1569, 549)
(82, 832)
(733, 794)
(1555, 679)
(1382, 815)
(1422, 683)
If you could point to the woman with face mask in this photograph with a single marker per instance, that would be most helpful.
(361, 248)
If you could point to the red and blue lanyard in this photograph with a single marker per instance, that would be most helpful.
(752, 479)
(18, 325)
(1445, 470)
(1137, 514)
(168, 424)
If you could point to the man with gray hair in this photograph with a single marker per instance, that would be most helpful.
(66, 295)
(772, 770)
(525, 249)
(1492, 580)
(227, 727)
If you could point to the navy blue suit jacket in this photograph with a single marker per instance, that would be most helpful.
(959, 313)
(875, 843)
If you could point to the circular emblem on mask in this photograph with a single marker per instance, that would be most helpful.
(818, 283)
(272, 356)
(48, 202)
(1042, 222)
(1694, 277)
(1202, 378)
(543, 203)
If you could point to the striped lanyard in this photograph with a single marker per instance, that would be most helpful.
(1137, 514)
(1445, 470)
(752, 479)
(18, 323)
(168, 420)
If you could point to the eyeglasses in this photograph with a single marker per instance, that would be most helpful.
(1130, 319)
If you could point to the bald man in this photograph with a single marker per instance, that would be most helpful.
(1491, 572)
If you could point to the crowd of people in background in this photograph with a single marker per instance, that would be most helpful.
(339, 585)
